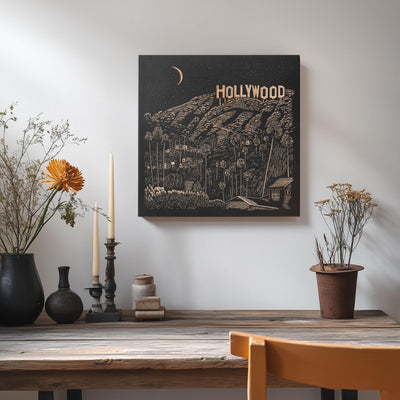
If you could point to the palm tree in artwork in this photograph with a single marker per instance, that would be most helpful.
(149, 138)
(171, 138)
(223, 165)
(256, 143)
(232, 168)
(157, 133)
(263, 148)
(205, 150)
(287, 142)
(233, 141)
(164, 139)
(274, 130)
(227, 174)
(222, 187)
(216, 170)
(246, 177)
(241, 164)
(245, 150)
(179, 149)
(200, 161)
(209, 175)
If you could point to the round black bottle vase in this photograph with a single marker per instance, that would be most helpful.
(64, 306)
(21, 291)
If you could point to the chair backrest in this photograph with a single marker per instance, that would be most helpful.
(330, 366)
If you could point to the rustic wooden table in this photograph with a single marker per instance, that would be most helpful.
(190, 349)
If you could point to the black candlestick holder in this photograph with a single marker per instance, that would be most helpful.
(109, 312)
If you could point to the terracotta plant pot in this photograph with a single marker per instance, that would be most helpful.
(337, 290)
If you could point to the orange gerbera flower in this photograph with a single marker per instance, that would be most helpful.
(63, 176)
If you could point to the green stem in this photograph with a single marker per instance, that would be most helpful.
(42, 220)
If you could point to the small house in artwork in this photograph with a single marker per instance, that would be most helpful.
(244, 203)
(279, 189)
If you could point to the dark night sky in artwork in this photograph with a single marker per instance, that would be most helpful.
(158, 81)
(159, 91)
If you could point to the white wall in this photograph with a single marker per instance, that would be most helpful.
(78, 60)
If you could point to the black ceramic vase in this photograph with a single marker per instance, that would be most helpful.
(64, 305)
(21, 291)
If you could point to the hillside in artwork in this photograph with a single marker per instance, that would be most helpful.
(218, 153)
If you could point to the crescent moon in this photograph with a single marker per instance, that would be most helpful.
(180, 75)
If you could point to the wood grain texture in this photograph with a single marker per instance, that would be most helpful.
(256, 318)
(136, 379)
(189, 349)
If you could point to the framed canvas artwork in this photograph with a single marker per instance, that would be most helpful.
(219, 136)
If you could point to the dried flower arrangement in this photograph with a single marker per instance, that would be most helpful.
(25, 205)
(345, 214)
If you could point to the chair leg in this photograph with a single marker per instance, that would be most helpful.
(74, 394)
(45, 395)
(349, 395)
(327, 394)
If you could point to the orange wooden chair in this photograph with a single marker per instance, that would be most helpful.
(318, 365)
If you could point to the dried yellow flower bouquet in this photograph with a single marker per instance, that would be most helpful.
(25, 205)
(345, 214)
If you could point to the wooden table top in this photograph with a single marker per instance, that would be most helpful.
(188, 349)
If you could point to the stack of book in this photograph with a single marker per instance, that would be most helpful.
(149, 307)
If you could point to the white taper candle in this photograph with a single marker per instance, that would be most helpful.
(111, 227)
(95, 258)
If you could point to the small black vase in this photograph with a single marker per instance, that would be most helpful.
(21, 291)
(64, 305)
